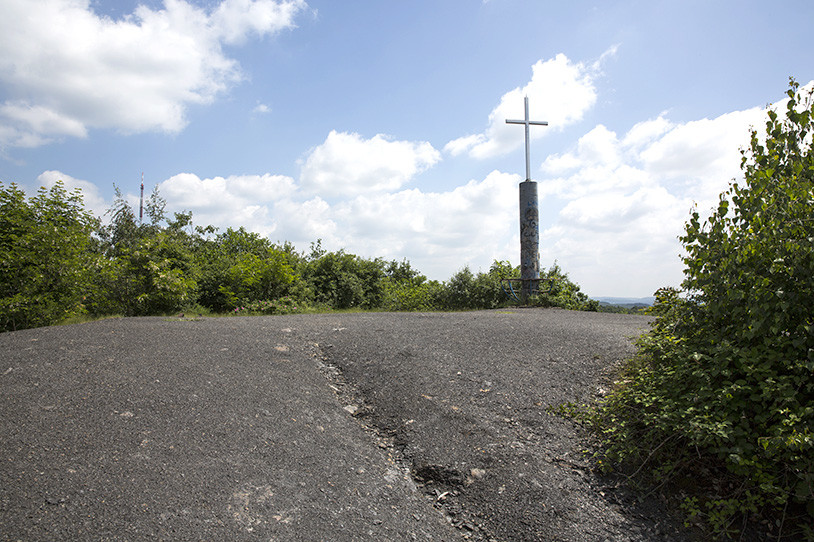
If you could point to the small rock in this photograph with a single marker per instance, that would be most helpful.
(477, 474)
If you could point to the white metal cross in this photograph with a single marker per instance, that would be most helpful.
(527, 122)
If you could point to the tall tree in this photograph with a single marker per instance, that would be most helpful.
(45, 261)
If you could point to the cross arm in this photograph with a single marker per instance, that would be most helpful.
(535, 122)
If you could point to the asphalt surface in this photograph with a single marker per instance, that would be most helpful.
(312, 427)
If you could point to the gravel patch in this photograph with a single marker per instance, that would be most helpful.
(312, 427)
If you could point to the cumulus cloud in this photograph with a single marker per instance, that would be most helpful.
(94, 202)
(560, 91)
(261, 109)
(347, 164)
(627, 198)
(234, 20)
(696, 158)
(439, 232)
(66, 69)
(238, 200)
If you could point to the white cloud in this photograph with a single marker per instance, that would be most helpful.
(235, 19)
(238, 200)
(346, 164)
(93, 200)
(627, 198)
(303, 222)
(67, 70)
(30, 121)
(704, 154)
(464, 144)
(261, 109)
(560, 92)
(439, 232)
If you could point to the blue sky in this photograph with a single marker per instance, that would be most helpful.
(379, 126)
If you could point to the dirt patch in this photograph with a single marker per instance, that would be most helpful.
(461, 400)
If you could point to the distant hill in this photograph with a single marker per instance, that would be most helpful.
(629, 302)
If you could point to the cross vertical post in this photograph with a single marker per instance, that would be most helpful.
(527, 123)
(529, 219)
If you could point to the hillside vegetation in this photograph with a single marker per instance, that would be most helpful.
(59, 261)
(719, 403)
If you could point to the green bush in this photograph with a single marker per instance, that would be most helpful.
(283, 305)
(57, 260)
(458, 292)
(403, 296)
(45, 257)
(724, 382)
(405, 289)
(142, 269)
(342, 281)
(560, 291)
(467, 291)
(240, 267)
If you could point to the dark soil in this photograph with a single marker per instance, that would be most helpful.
(313, 427)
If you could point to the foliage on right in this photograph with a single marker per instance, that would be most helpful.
(721, 395)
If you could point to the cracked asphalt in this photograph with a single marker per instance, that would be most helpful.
(340, 427)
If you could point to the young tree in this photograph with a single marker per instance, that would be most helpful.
(239, 267)
(405, 289)
(155, 207)
(143, 268)
(45, 262)
(344, 280)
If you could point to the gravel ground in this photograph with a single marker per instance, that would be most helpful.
(312, 427)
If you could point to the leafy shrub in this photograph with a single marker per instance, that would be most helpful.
(283, 305)
(560, 291)
(723, 385)
(45, 261)
(458, 291)
(341, 280)
(467, 291)
(240, 267)
(404, 296)
(58, 260)
(145, 275)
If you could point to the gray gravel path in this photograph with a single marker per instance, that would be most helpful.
(311, 427)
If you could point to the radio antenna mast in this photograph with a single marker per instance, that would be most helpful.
(141, 201)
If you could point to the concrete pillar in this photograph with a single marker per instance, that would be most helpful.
(529, 238)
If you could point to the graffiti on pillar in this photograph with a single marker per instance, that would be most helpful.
(529, 232)
(529, 236)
